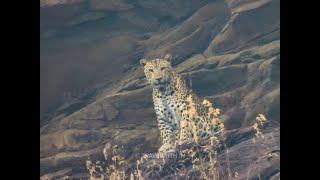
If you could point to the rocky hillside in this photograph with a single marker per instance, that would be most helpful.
(93, 90)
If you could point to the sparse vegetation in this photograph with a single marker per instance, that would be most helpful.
(208, 159)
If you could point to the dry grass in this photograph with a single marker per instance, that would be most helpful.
(257, 128)
(203, 158)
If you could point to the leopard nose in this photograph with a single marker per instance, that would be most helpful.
(158, 79)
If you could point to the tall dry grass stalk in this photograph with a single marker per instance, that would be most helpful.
(257, 128)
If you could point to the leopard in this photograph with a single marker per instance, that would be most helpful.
(181, 115)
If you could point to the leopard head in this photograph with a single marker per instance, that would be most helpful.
(159, 71)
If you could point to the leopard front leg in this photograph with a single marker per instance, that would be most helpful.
(167, 134)
(186, 134)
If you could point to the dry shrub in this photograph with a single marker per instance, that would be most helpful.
(191, 161)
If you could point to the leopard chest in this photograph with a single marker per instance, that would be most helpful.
(169, 108)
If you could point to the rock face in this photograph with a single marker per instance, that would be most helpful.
(93, 90)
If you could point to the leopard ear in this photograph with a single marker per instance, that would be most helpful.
(143, 62)
(168, 57)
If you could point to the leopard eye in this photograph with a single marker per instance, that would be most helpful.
(151, 70)
(162, 68)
